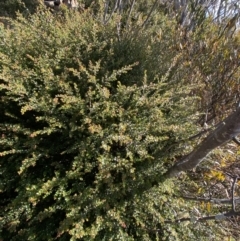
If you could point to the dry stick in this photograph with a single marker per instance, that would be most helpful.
(115, 7)
(212, 200)
(119, 6)
(231, 23)
(130, 11)
(213, 217)
(233, 191)
(236, 140)
(150, 13)
(105, 10)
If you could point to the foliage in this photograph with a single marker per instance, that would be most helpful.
(92, 116)
(8, 8)
(87, 122)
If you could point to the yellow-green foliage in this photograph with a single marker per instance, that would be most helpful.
(89, 124)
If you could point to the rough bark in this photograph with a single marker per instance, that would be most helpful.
(225, 132)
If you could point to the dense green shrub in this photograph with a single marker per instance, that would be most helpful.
(8, 8)
(89, 124)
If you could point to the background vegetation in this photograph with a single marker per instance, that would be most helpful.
(96, 106)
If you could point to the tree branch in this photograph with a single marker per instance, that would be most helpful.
(233, 191)
(225, 132)
(105, 20)
(236, 140)
(221, 216)
(212, 200)
(130, 12)
(150, 13)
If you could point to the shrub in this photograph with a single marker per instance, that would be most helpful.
(90, 122)
(8, 8)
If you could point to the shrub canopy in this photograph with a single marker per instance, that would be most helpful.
(90, 122)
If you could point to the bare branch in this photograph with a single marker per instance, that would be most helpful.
(219, 217)
(236, 140)
(213, 200)
(105, 10)
(113, 10)
(150, 13)
(233, 191)
(130, 12)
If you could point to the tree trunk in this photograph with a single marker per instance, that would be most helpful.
(225, 132)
